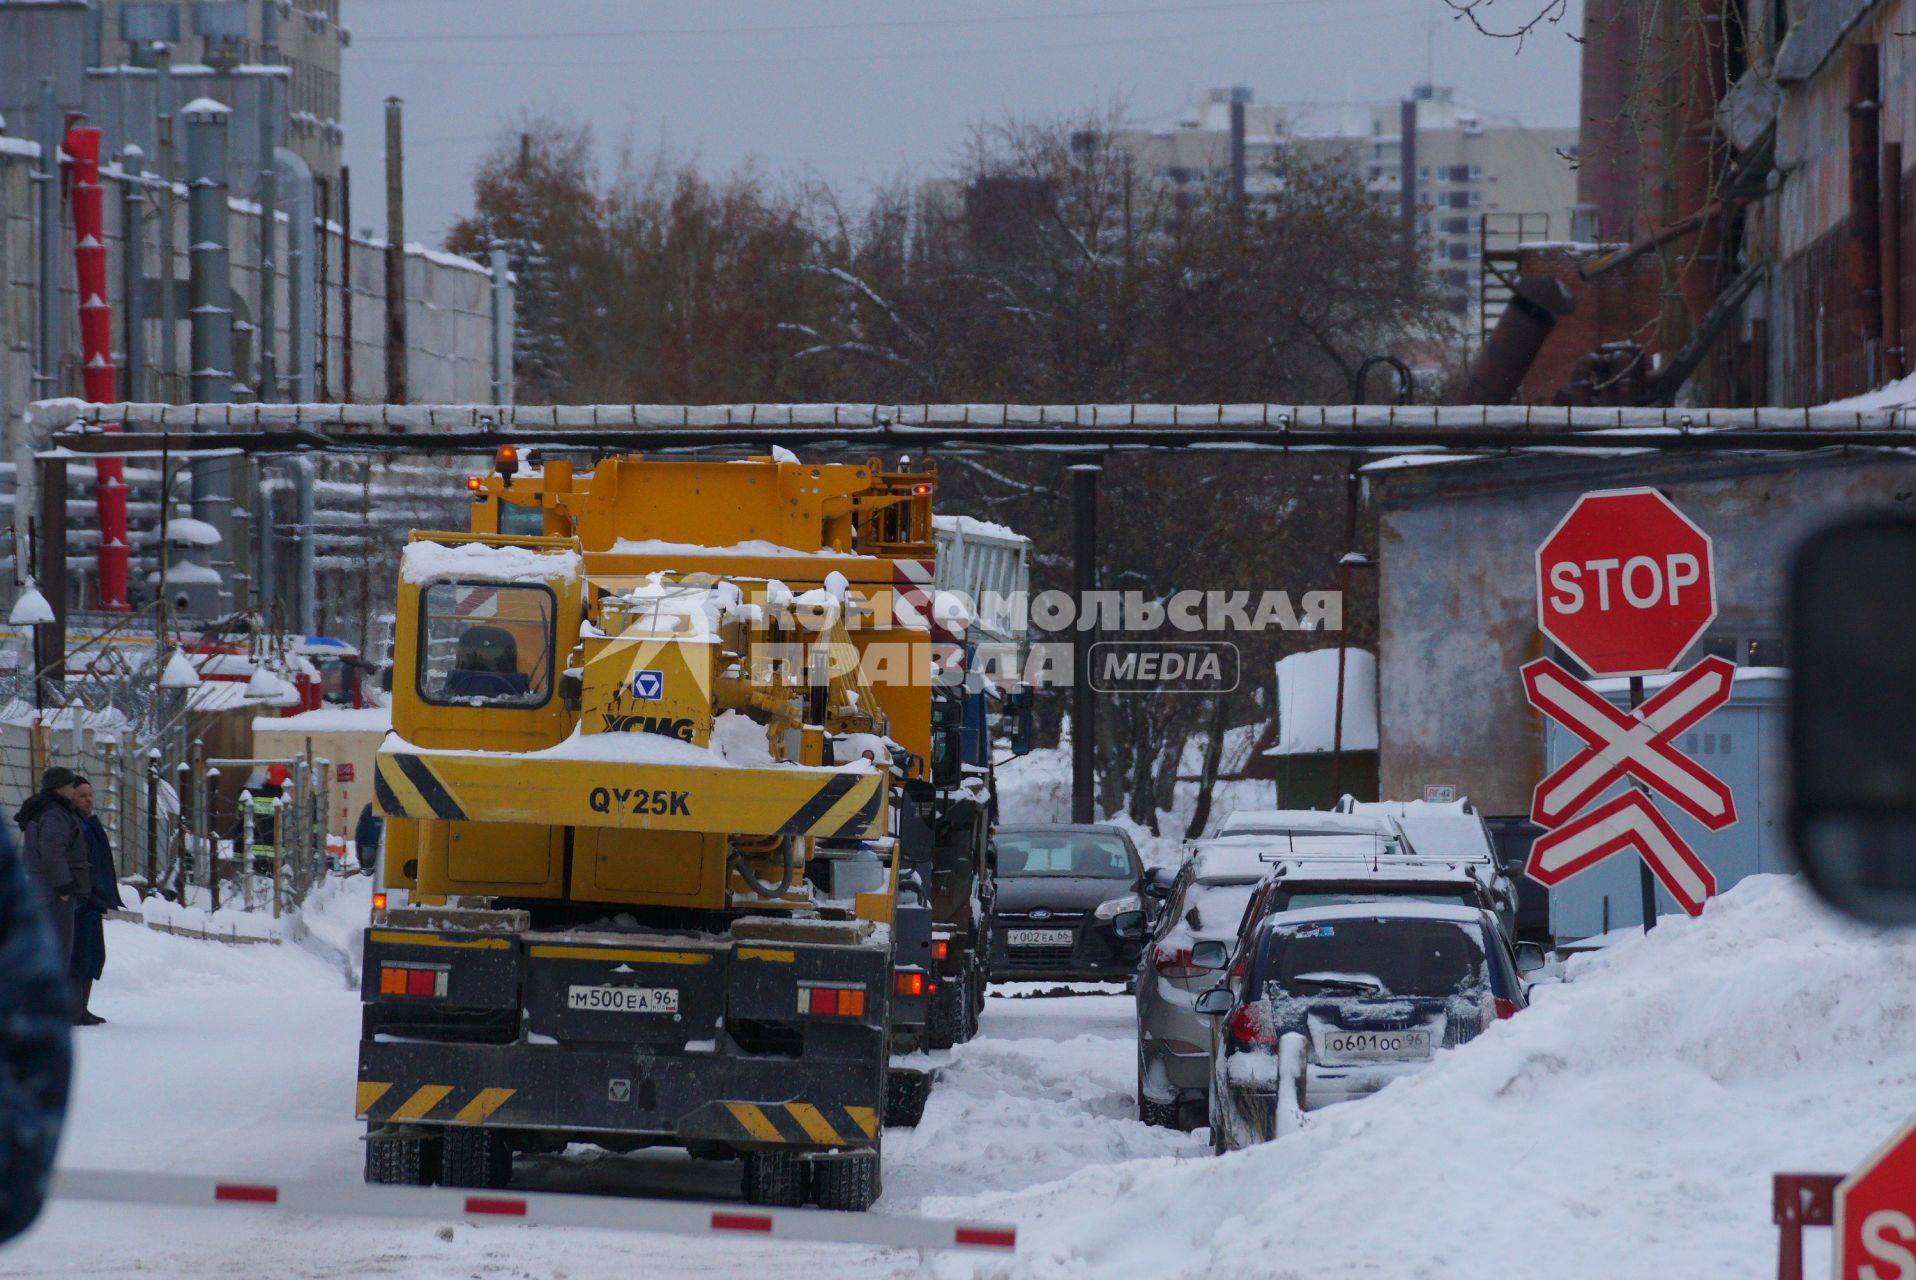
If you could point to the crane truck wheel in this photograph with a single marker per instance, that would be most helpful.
(775, 1178)
(905, 1095)
(402, 1159)
(849, 1183)
(475, 1158)
(946, 1025)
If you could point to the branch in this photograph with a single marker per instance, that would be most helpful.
(1551, 12)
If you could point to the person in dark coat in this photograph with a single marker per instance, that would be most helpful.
(36, 1062)
(55, 849)
(89, 920)
(366, 834)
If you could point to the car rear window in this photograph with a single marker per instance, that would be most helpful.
(1397, 957)
(1217, 909)
(1063, 853)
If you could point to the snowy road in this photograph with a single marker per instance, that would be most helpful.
(240, 1061)
(1627, 1124)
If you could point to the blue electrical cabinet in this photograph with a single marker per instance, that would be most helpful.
(1741, 742)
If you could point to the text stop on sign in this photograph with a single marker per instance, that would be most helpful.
(1625, 583)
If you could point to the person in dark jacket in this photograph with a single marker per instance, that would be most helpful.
(55, 849)
(89, 922)
(36, 1062)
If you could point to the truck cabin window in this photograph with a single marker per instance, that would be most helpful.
(485, 645)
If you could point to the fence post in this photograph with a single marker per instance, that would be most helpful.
(245, 850)
(209, 827)
(182, 822)
(153, 820)
(322, 824)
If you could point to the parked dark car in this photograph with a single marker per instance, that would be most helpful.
(1059, 886)
(1335, 1002)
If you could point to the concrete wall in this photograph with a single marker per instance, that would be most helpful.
(1457, 590)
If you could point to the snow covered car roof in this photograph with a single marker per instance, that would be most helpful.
(1382, 910)
(1257, 822)
(1392, 871)
(1224, 861)
(1453, 830)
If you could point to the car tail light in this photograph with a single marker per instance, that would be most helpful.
(410, 980)
(908, 982)
(832, 1002)
(1506, 1008)
(940, 949)
(1246, 1027)
(1174, 962)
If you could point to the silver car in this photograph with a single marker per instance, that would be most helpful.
(1205, 901)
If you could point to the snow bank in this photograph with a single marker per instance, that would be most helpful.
(476, 562)
(1627, 1124)
(1893, 395)
(753, 547)
(329, 720)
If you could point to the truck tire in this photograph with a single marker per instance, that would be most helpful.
(402, 1160)
(945, 1021)
(776, 1179)
(476, 1158)
(905, 1095)
(847, 1183)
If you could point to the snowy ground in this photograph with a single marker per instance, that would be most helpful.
(1627, 1124)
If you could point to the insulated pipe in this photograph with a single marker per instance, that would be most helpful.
(302, 289)
(1536, 303)
(46, 352)
(268, 207)
(207, 218)
(133, 266)
(96, 353)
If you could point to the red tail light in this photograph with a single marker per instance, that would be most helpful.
(1247, 1027)
(908, 982)
(940, 949)
(1174, 962)
(1506, 1008)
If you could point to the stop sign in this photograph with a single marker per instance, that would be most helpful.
(1625, 583)
(1876, 1213)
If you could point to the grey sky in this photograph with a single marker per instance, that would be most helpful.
(858, 90)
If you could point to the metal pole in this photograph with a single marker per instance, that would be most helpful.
(46, 354)
(212, 304)
(209, 824)
(1084, 577)
(345, 284)
(169, 267)
(153, 820)
(244, 853)
(50, 638)
(1343, 633)
(395, 255)
(501, 326)
(1407, 180)
(133, 267)
(1646, 883)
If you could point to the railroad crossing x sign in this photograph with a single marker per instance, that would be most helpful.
(1617, 743)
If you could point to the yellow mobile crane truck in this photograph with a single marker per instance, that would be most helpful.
(662, 788)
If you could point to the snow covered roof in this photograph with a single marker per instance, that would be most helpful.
(329, 720)
(1307, 702)
(476, 562)
(755, 547)
(1225, 861)
(970, 527)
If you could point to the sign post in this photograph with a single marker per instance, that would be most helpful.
(1626, 583)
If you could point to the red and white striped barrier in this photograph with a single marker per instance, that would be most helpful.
(673, 1217)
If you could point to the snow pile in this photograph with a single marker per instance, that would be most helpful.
(1627, 1124)
(476, 562)
(1307, 702)
(1900, 394)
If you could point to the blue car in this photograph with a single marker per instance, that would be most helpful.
(1334, 1002)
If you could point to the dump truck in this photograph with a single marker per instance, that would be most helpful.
(670, 804)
